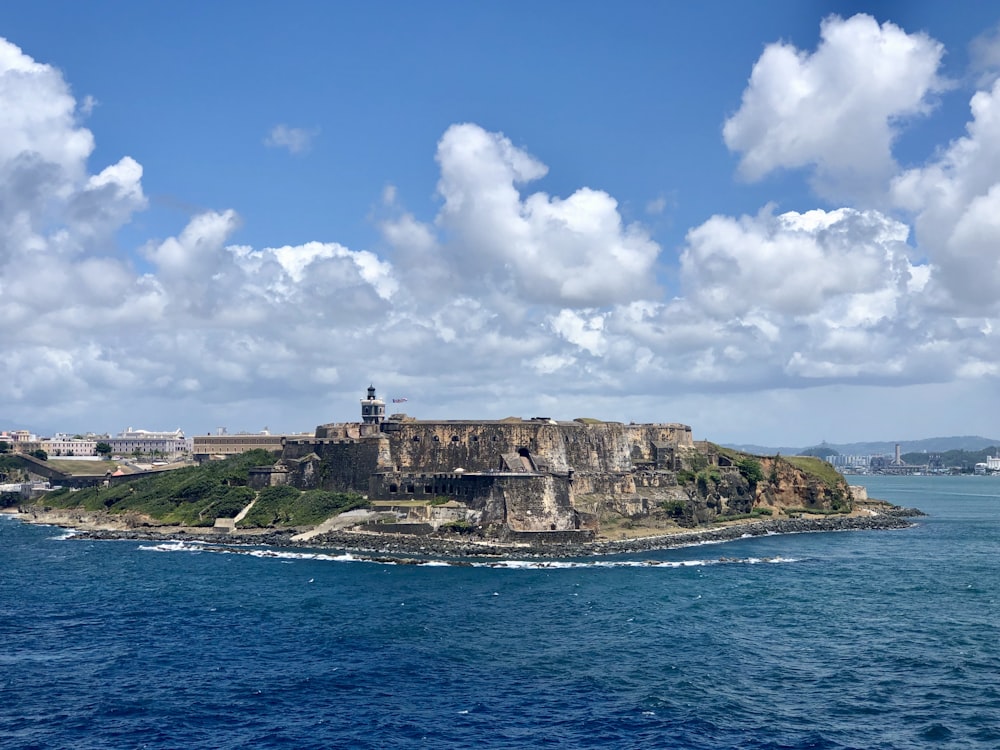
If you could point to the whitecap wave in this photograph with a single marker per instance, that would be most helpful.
(67, 534)
(348, 557)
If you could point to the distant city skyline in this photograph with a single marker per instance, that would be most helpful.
(774, 222)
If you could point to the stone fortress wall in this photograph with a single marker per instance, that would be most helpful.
(518, 473)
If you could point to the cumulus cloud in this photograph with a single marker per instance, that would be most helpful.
(507, 298)
(956, 201)
(543, 249)
(837, 109)
(296, 140)
(792, 264)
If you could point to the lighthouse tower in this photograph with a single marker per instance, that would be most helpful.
(372, 409)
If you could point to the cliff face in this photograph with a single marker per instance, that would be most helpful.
(808, 484)
(543, 445)
(542, 475)
(714, 486)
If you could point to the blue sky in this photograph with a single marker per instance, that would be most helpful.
(772, 221)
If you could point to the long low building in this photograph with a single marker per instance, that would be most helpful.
(208, 447)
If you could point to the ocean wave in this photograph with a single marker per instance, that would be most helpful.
(67, 534)
(196, 547)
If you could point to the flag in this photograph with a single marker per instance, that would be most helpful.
(399, 400)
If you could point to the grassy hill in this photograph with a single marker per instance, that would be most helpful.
(197, 495)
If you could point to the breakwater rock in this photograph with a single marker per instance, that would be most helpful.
(463, 546)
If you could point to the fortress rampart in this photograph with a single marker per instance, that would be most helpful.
(521, 474)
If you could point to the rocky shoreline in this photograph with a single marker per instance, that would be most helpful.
(463, 546)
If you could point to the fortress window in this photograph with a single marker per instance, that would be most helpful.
(437, 439)
(428, 489)
(393, 488)
(454, 438)
(416, 438)
(475, 438)
(409, 489)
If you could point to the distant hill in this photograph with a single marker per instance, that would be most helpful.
(885, 447)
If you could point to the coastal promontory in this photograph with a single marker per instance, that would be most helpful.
(580, 484)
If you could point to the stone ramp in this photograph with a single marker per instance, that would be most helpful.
(243, 513)
(343, 520)
(228, 525)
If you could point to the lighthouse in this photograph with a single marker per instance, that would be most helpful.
(372, 408)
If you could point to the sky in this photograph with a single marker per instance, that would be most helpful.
(776, 222)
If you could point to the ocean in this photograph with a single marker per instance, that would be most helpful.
(873, 639)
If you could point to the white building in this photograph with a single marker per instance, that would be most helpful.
(63, 445)
(18, 436)
(148, 443)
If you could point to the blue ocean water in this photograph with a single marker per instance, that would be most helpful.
(837, 640)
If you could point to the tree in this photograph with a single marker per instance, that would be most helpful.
(4, 446)
(750, 468)
(40, 454)
(103, 449)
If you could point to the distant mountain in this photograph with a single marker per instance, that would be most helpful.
(888, 448)
(762, 450)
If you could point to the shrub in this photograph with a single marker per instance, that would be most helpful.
(287, 506)
(674, 508)
(192, 495)
(750, 469)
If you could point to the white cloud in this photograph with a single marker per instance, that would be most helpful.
(539, 248)
(509, 299)
(659, 204)
(984, 52)
(583, 329)
(792, 264)
(837, 109)
(955, 200)
(88, 105)
(296, 140)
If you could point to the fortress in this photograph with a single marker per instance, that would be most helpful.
(522, 475)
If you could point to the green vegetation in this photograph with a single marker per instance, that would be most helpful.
(4, 446)
(10, 466)
(815, 511)
(39, 454)
(750, 469)
(755, 513)
(82, 468)
(456, 527)
(730, 453)
(706, 479)
(588, 420)
(965, 460)
(287, 506)
(192, 496)
(674, 508)
(103, 449)
(818, 469)
(819, 451)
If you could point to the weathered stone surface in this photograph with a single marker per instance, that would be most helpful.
(540, 475)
